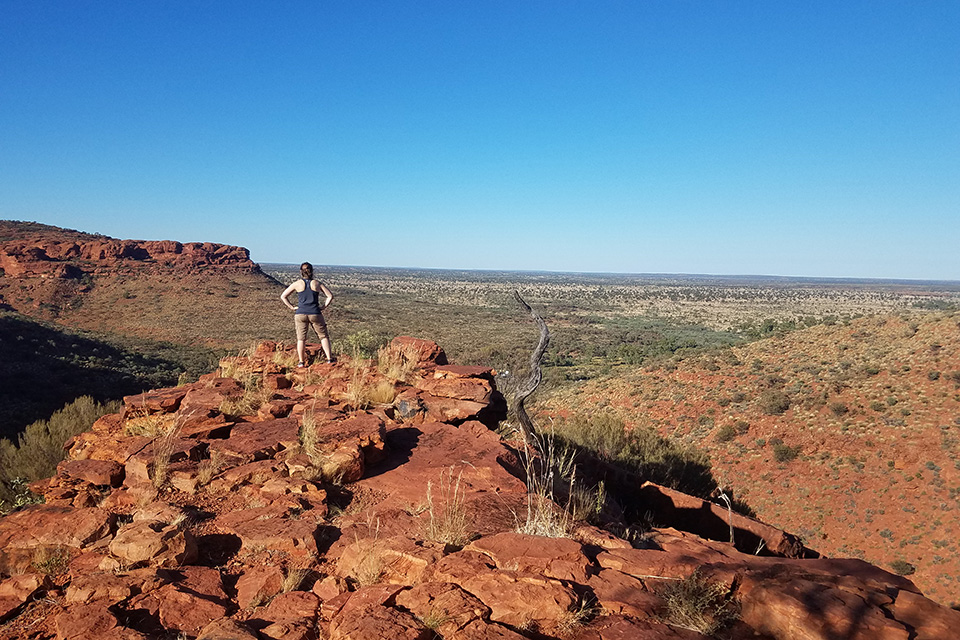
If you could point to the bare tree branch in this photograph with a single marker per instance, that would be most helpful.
(536, 375)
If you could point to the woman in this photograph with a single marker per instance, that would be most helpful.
(309, 311)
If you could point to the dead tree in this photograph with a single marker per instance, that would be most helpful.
(536, 375)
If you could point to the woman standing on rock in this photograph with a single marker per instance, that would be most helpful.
(309, 311)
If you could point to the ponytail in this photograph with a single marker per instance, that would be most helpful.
(306, 271)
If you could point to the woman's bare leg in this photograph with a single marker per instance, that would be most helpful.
(302, 351)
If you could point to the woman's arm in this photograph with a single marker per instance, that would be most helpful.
(287, 292)
(326, 292)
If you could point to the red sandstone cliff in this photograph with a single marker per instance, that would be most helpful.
(32, 250)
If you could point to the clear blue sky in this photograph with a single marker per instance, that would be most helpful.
(789, 138)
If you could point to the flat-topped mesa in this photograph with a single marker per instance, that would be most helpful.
(365, 499)
(72, 258)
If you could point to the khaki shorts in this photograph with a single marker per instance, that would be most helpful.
(302, 321)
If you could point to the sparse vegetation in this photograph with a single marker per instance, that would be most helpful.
(774, 402)
(636, 455)
(40, 447)
(902, 568)
(163, 447)
(547, 465)
(447, 510)
(698, 604)
(51, 560)
(253, 396)
(395, 363)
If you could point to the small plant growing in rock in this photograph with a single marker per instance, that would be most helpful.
(50, 560)
(698, 604)
(435, 618)
(293, 578)
(396, 363)
(163, 447)
(209, 468)
(448, 511)
(381, 392)
(371, 563)
(546, 464)
(253, 396)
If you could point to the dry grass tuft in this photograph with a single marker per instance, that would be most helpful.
(293, 578)
(381, 392)
(285, 358)
(358, 388)
(50, 560)
(396, 363)
(570, 624)
(547, 466)
(253, 396)
(163, 447)
(448, 511)
(148, 424)
(371, 562)
(309, 441)
(698, 604)
(209, 468)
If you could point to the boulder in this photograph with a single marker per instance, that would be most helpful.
(49, 530)
(96, 472)
(424, 352)
(257, 585)
(559, 558)
(17, 590)
(153, 543)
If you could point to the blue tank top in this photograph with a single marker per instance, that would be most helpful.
(308, 300)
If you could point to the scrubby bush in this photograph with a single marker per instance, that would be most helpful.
(364, 344)
(774, 402)
(637, 454)
(40, 447)
(839, 408)
(783, 452)
(902, 568)
(725, 433)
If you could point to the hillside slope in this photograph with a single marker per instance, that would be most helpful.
(846, 434)
(189, 293)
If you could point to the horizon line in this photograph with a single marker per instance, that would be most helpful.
(731, 276)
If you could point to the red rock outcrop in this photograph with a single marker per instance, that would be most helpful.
(195, 512)
(42, 251)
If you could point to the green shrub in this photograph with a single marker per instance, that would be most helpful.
(364, 344)
(40, 447)
(725, 433)
(933, 375)
(839, 408)
(638, 454)
(783, 452)
(774, 402)
(902, 568)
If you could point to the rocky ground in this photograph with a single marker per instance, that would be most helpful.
(374, 500)
(846, 435)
